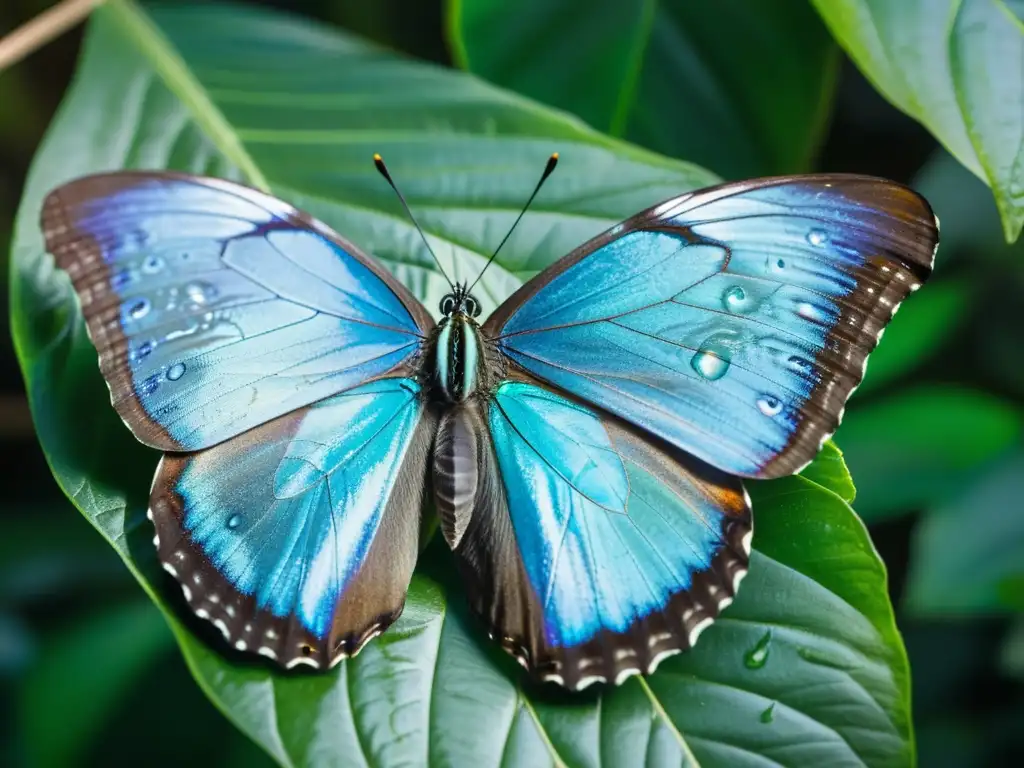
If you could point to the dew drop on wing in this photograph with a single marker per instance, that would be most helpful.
(801, 364)
(817, 237)
(150, 384)
(142, 351)
(234, 521)
(152, 265)
(199, 293)
(120, 279)
(737, 300)
(808, 311)
(769, 405)
(176, 371)
(710, 362)
(139, 309)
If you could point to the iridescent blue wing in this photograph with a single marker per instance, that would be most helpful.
(215, 308)
(298, 538)
(733, 322)
(591, 551)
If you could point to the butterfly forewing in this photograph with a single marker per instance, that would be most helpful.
(215, 308)
(734, 322)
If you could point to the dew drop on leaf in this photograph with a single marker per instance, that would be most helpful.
(757, 656)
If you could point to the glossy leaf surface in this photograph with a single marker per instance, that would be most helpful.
(807, 665)
(969, 551)
(956, 66)
(741, 88)
(917, 448)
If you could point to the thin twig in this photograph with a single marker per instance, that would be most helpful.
(37, 32)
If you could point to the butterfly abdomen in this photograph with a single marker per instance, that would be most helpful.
(459, 358)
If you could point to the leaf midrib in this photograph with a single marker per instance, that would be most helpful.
(151, 43)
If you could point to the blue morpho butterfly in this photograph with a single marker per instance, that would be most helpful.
(585, 445)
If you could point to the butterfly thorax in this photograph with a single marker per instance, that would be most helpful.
(462, 360)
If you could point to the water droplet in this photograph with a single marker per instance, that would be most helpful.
(234, 521)
(781, 263)
(139, 309)
(152, 264)
(711, 362)
(822, 659)
(769, 714)
(801, 364)
(149, 384)
(736, 300)
(817, 237)
(808, 310)
(199, 293)
(120, 279)
(769, 406)
(176, 371)
(143, 350)
(757, 656)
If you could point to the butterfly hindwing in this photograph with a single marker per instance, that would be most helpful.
(733, 322)
(590, 552)
(216, 308)
(298, 538)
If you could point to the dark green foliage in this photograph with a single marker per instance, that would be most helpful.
(807, 668)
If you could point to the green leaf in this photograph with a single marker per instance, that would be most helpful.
(970, 228)
(1016, 7)
(806, 665)
(968, 554)
(80, 679)
(956, 66)
(918, 331)
(920, 446)
(744, 89)
(829, 471)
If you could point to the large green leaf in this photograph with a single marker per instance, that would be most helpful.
(805, 666)
(743, 88)
(956, 66)
(968, 555)
(921, 445)
(971, 230)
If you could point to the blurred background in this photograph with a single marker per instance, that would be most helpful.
(933, 440)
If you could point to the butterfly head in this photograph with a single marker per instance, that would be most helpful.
(460, 302)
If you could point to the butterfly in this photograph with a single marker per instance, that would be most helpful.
(585, 446)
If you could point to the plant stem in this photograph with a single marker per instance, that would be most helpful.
(37, 32)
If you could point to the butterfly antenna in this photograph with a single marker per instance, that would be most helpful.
(552, 162)
(379, 162)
